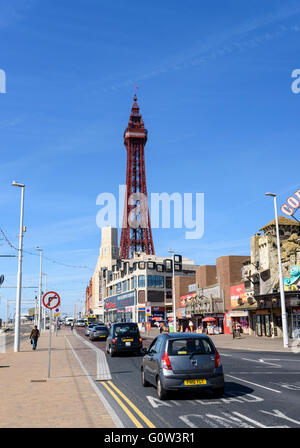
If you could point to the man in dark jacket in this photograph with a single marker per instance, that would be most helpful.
(34, 335)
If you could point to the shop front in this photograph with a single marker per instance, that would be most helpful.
(263, 323)
(120, 308)
(295, 322)
(242, 318)
(184, 313)
(269, 318)
(158, 313)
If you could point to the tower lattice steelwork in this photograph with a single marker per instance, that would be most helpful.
(136, 233)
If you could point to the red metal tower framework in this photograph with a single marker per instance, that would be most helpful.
(136, 233)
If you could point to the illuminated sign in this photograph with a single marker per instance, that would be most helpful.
(292, 204)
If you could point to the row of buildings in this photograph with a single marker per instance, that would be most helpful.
(242, 289)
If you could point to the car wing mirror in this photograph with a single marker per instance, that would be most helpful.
(145, 351)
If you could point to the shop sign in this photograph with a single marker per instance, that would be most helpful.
(160, 314)
(120, 301)
(239, 313)
(292, 204)
(183, 299)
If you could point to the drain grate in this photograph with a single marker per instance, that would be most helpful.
(38, 381)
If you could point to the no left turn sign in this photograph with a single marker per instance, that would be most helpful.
(51, 300)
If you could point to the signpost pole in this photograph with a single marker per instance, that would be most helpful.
(49, 349)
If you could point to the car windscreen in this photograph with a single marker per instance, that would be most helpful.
(100, 328)
(119, 330)
(179, 347)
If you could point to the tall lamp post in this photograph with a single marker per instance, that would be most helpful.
(173, 295)
(19, 283)
(282, 298)
(44, 308)
(40, 289)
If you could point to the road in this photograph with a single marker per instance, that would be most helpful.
(262, 389)
(7, 338)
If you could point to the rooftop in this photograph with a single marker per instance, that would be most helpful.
(282, 221)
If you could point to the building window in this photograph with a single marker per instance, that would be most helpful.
(155, 281)
(169, 282)
(119, 287)
(141, 281)
(125, 286)
(133, 282)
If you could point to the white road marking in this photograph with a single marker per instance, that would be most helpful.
(280, 414)
(109, 409)
(103, 371)
(261, 361)
(188, 422)
(260, 425)
(227, 420)
(223, 354)
(255, 384)
(155, 402)
(295, 386)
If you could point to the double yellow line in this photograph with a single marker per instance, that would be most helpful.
(111, 388)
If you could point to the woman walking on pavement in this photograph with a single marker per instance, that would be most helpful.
(34, 335)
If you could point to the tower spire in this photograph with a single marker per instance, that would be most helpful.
(136, 235)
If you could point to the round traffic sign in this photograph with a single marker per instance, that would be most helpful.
(51, 300)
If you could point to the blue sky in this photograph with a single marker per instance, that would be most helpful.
(215, 93)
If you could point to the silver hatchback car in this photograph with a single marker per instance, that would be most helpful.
(183, 361)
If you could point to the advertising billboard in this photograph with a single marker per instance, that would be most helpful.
(237, 295)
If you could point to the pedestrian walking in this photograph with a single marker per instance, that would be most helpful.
(72, 326)
(233, 330)
(34, 335)
(191, 326)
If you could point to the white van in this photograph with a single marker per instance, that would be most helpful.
(69, 320)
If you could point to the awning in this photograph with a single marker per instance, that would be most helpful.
(209, 319)
(239, 314)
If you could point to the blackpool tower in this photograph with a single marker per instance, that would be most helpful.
(136, 235)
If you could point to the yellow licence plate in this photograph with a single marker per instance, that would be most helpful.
(194, 382)
(127, 340)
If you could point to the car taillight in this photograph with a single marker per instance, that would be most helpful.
(140, 340)
(217, 362)
(114, 340)
(165, 362)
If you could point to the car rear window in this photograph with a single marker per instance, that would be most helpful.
(126, 329)
(100, 328)
(180, 347)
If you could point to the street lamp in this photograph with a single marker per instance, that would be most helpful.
(44, 308)
(174, 295)
(40, 289)
(19, 283)
(282, 298)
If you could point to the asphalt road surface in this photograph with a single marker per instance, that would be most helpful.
(262, 390)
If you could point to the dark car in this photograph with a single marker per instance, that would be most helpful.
(99, 332)
(179, 361)
(123, 338)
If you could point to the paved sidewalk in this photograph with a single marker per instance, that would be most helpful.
(245, 342)
(29, 399)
